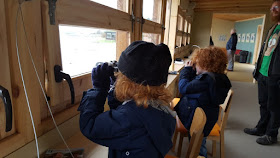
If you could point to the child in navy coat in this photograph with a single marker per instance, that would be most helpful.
(203, 84)
(139, 123)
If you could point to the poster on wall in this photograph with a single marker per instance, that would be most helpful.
(243, 37)
(248, 38)
(222, 38)
(239, 37)
(252, 39)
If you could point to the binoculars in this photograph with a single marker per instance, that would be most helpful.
(113, 63)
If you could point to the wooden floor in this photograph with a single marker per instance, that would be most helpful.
(242, 72)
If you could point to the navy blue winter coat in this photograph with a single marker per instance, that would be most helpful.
(207, 90)
(232, 42)
(128, 130)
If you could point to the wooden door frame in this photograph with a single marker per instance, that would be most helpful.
(257, 43)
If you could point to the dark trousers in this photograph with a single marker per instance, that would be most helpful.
(269, 122)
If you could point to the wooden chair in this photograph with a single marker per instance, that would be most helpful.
(196, 132)
(217, 133)
(180, 129)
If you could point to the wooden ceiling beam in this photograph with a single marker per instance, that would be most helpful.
(236, 16)
(232, 6)
(233, 3)
(224, 1)
(233, 10)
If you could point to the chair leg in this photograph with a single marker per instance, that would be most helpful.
(180, 144)
(222, 147)
(174, 140)
(214, 149)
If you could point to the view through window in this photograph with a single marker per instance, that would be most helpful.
(152, 10)
(83, 47)
(116, 4)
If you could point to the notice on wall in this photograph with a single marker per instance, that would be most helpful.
(239, 37)
(243, 37)
(248, 37)
(252, 39)
(222, 38)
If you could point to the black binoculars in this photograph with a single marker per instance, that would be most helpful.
(113, 63)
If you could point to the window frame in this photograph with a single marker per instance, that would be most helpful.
(154, 27)
(184, 34)
(105, 18)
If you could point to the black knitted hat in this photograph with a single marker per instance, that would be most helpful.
(145, 63)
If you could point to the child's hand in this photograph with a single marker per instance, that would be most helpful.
(189, 63)
(101, 76)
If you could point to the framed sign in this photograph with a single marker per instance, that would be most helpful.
(248, 37)
(222, 38)
(243, 37)
(239, 37)
(252, 39)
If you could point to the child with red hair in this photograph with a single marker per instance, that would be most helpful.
(139, 122)
(204, 84)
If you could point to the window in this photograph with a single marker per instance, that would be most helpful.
(152, 28)
(184, 40)
(78, 41)
(116, 4)
(152, 10)
(178, 41)
(186, 26)
(189, 33)
(183, 32)
(180, 23)
(83, 47)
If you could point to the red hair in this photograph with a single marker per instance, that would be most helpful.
(126, 90)
(211, 59)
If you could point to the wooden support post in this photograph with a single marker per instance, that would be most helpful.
(163, 15)
(172, 32)
(137, 11)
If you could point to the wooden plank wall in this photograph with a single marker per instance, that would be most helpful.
(5, 79)
(24, 131)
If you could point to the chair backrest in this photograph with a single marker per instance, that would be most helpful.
(224, 111)
(196, 132)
